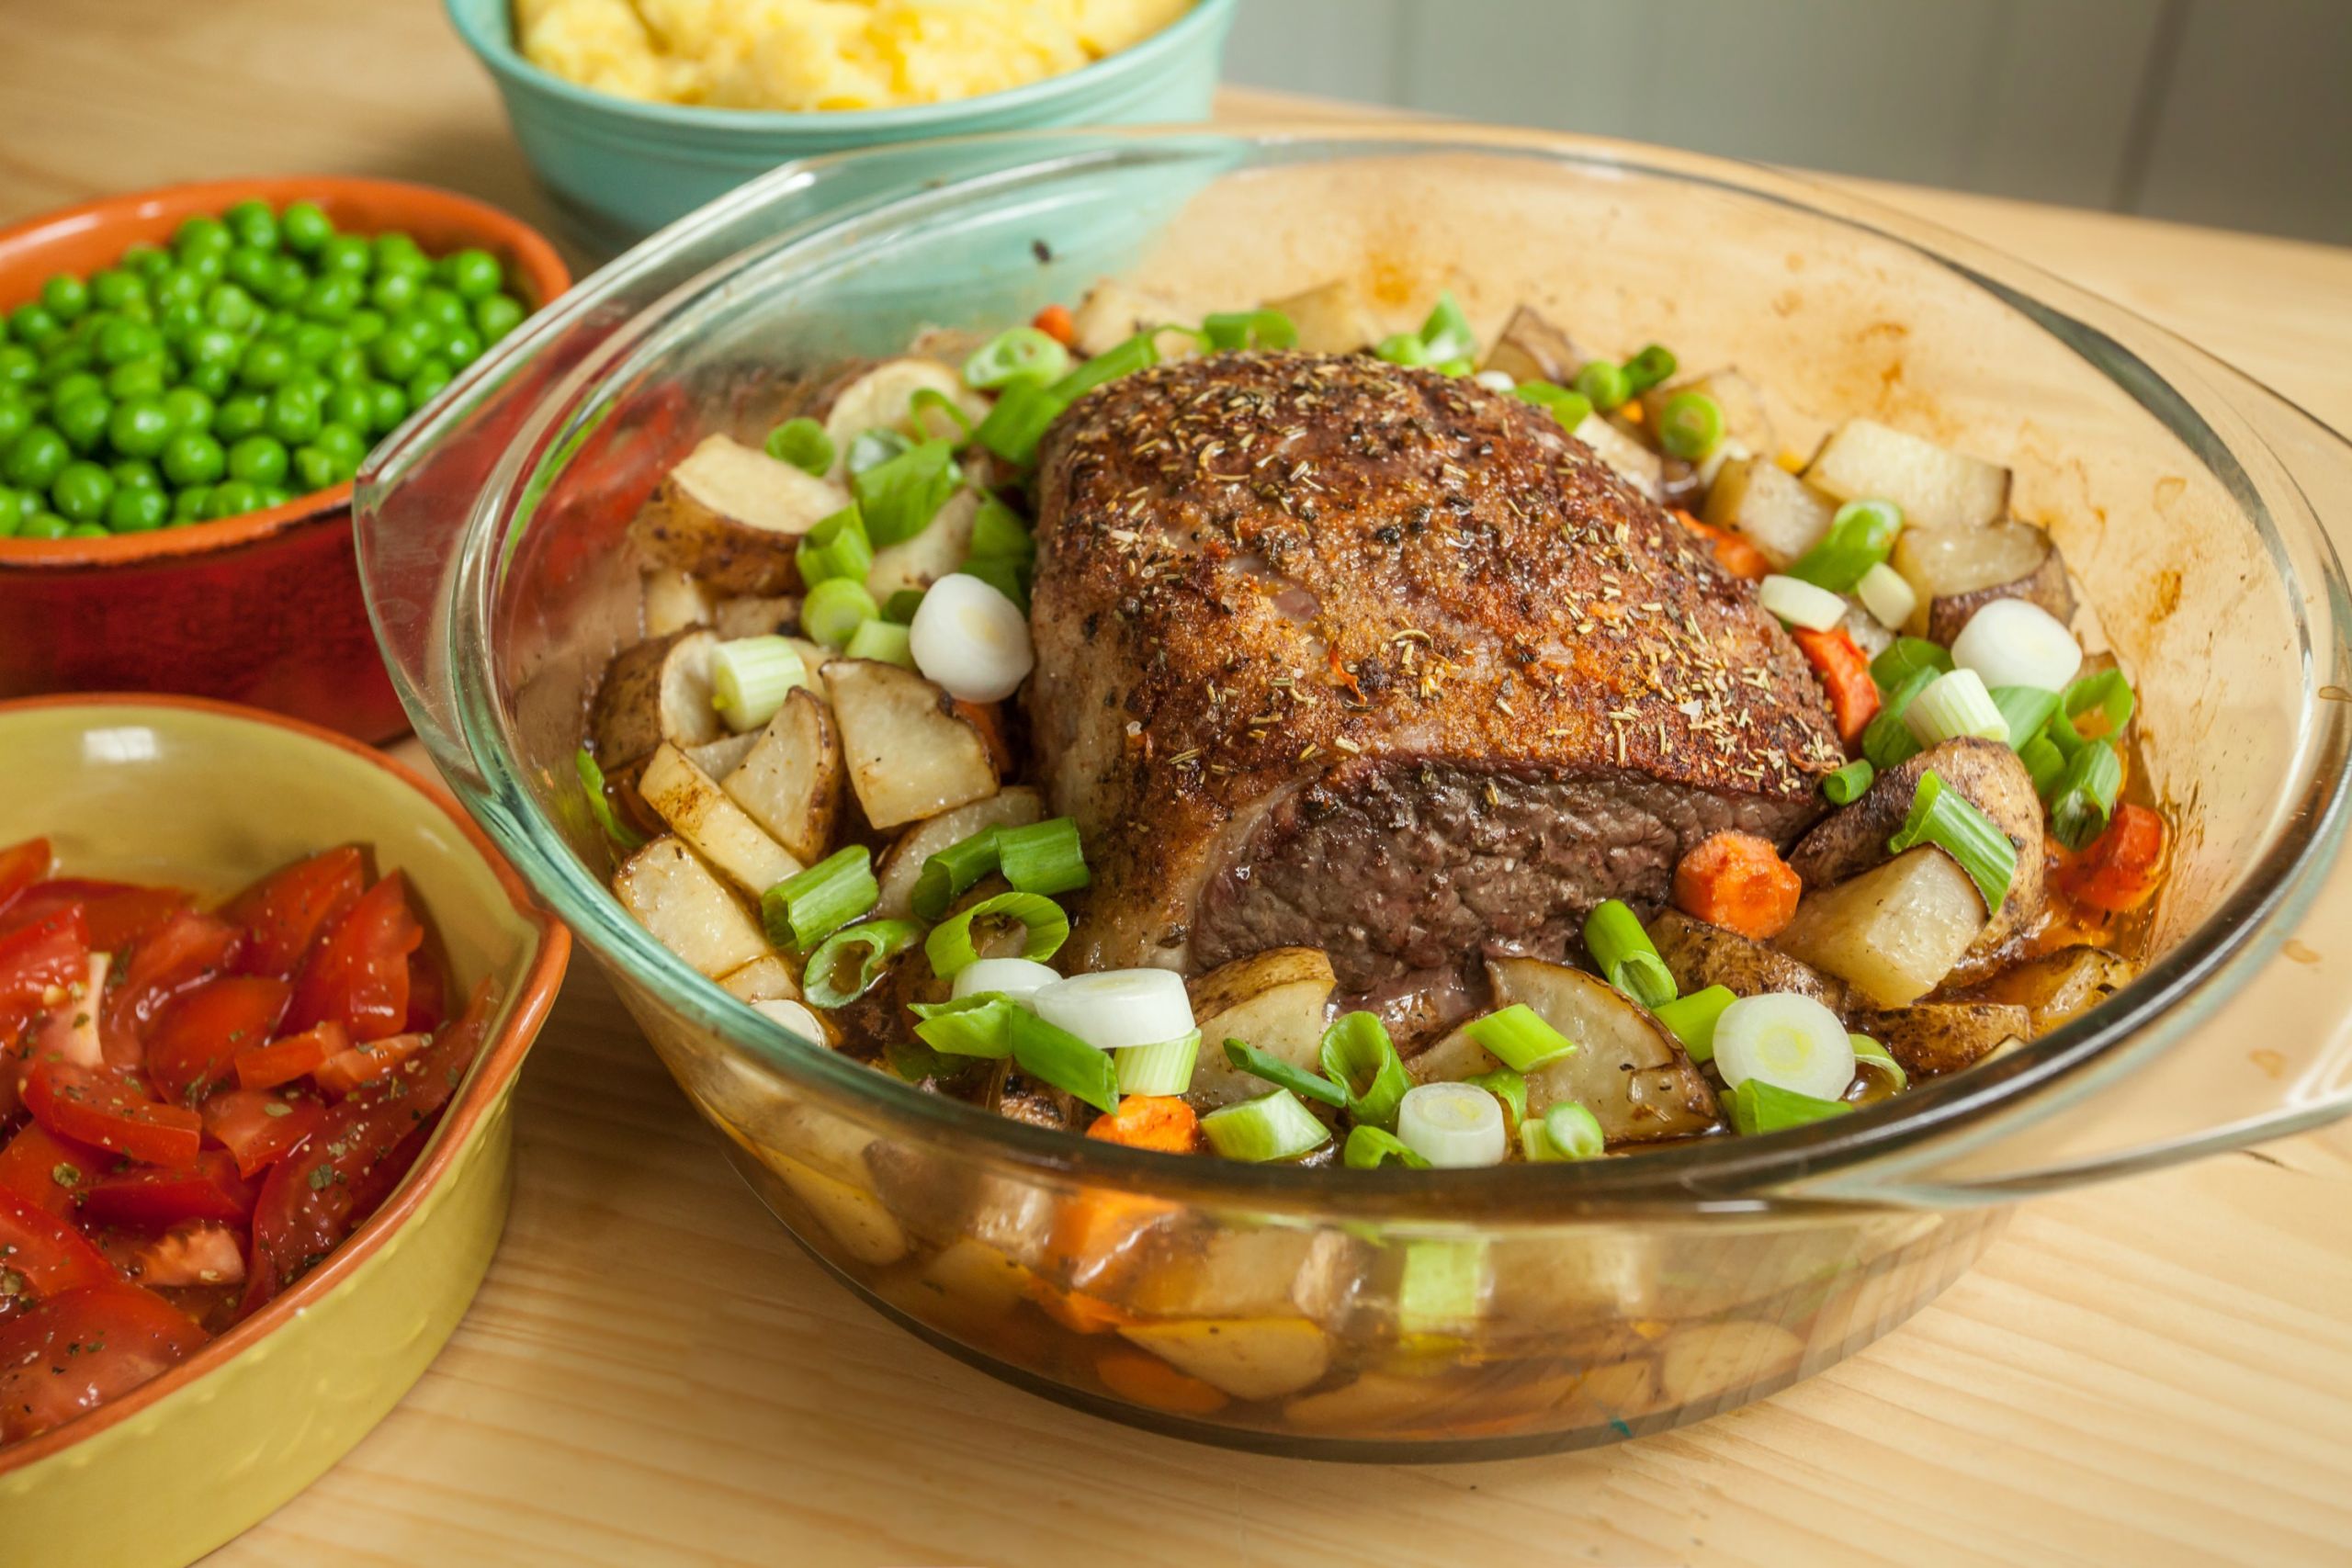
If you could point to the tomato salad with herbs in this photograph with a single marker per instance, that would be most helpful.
(197, 1107)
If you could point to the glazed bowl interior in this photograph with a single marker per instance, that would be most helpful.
(501, 583)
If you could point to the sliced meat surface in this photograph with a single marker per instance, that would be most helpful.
(1337, 654)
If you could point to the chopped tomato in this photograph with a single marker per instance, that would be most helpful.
(428, 1000)
(55, 897)
(78, 1349)
(1846, 675)
(358, 971)
(258, 1126)
(68, 1030)
(96, 1107)
(202, 1253)
(1056, 323)
(283, 913)
(197, 1037)
(48, 1170)
(44, 1251)
(150, 1197)
(2122, 867)
(186, 951)
(21, 865)
(283, 1060)
(368, 1062)
(122, 920)
(49, 954)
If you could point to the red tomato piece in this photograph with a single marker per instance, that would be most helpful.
(99, 1107)
(48, 954)
(283, 1060)
(198, 1035)
(150, 1197)
(186, 951)
(428, 1000)
(357, 973)
(48, 1170)
(44, 1251)
(258, 1126)
(283, 913)
(21, 865)
(118, 921)
(191, 1255)
(368, 1061)
(77, 1351)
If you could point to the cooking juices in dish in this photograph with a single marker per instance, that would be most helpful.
(199, 1106)
(1277, 740)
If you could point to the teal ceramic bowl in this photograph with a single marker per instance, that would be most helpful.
(618, 169)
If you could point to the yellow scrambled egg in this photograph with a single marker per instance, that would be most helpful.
(826, 54)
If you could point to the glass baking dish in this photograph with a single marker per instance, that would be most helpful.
(1604, 1299)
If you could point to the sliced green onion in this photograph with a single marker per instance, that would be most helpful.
(1571, 409)
(600, 805)
(976, 1026)
(834, 609)
(874, 449)
(1790, 1041)
(949, 946)
(929, 397)
(2026, 710)
(1628, 959)
(804, 908)
(1606, 385)
(1951, 821)
(1369, 1148)
(1015, 979)
(1273, 1126)
(898, 498)
(998, 533)
(1868, 1053)
(1163, 1068)
(1906, 657)
(2107, 693)
(1690, 426)
(1860, 537)
(1452, 1125)
(1446, 332)
(1693, 1018)
(2044, 763)
(885, 642)
(1136, 353)
(2015, 642)
(1358, 1056)
(1056, 1057)
(1649, 368)
(1274, 1070)
(947, 876)
(1115, 1010)
(1442, 1287)
(1009, 576)
(1017, 354)
(1954, 705)
(1017, 422)
(1510, 1089)
(1887, 594)
(803, 443)
(1406, 349)
(836, 547)
(2084, 795)
(1044, 857)
(749, 678)
(1759, 1107)
(1799, 603)
(1519, 1039)
(900, 607)
(1849, 783)
(1887, 741)
(1574, 1130)
(1250, 329)
(847, 963)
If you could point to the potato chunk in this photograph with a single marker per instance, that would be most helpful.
(1775, 511)
(902, 864)
(656, 691)
(1276, 1000)
(1936, 487)
(789, 780)
(1627, 1068)
(910, 754)
(1958, 571)
(674, 895)
(1894, 932)
(1530, 348)
(1249, 1357)
(698, 811)
(883, 399)
(732, 515)
(1332, 318)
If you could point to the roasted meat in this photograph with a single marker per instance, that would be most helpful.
(1340, 655)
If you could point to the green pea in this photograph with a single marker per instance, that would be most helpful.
(146, 260)
(190, 408)
(44, 525)
(254, 224)
(394, 292)
(274, 495)
(443, 308)
(213, 345)
(240, 416)
(258, 459)
(80, 491)
(278, 323)
(112, 289)
(396, 355)
(332, 296)
(17, 417)
(138, 511)
(293, 416)
(12, 511)
(140, 309)
(34, 458)
(391, 407)
(348, 365)
(233, 497)
(87, 531)
(473, 274)
(140, 426)
(123, 341)
(303, 227)
(34, 325)
(497, 316)
(350, 403)
(430, 377)
(314, 341)
(250, 269)
(346, 254)
(72, 382)
(140, 378)
(397, 252)
(212, 380)
(365, 325)
(66, 295)
(343, 443)
(207, 267)
(135, 473)
(460, 348)
(189, 504)
(314, 469)
(232, 306)
(82, 421)
(266, 362)
(199, 235)
(179, 286)
(193, 458)
(179, 319)
(19, 365)
(287, 281)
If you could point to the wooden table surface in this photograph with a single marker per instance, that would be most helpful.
(2157, 1372)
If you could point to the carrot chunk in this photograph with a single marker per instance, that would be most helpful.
(1845, 676)
(1734, 554)
(2124, 865)
(1739, 882)
(1056, 322)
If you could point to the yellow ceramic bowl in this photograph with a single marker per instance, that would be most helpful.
(208, 796)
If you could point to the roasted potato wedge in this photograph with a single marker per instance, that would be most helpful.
(882, 398)
(700, 812)
(1772, 509)
(653, 692)
(2060, 986)
(1532, 349)
(1634, 463)
(910, 754)
(732, 515)
(1270, 1271)
(757, 615)
(1936, 487)
(1249, 1357)
(1699, 954)
(1746, 420)
(1852, 840)
(1894, 932)
(674, 601)
(1933, 1038)
(902, 864)
(938, 551)
(789, 780)
(766, 978)
(1278, 1001)
(1628, 1069)
(721, 757)
(670, 892)
(1332, 318)
(1958, 571)
(1112, 313)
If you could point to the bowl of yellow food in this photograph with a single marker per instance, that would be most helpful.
(635, 112)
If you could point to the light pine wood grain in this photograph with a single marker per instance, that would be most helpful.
(2155, 1372)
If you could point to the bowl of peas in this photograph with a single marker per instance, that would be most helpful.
(189, 379)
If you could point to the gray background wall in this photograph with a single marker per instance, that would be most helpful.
(2230, 112)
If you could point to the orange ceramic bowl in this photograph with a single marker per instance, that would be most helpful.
(263, 608)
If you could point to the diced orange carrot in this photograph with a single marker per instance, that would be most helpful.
(1148, 1381)
(1734, 554)
(1096, 1231)
(1631, 411)
(1056, 322)
(2123, 866)
(1739, 882)
(1790, 462)
(1846, 675)
(1160, 1122)
(1077, 1311)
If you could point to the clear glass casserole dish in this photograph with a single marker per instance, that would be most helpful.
(1395, 1315)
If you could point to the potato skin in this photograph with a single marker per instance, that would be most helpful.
(2061, 987)
(1933, 1038)
(624, 720)
(728, 556)
(1699, 955)
(2045, 586)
